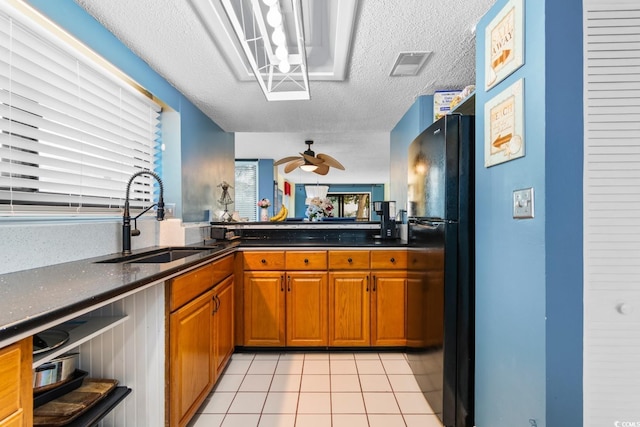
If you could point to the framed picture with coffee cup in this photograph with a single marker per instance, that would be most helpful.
(504, 43)
(504, 125)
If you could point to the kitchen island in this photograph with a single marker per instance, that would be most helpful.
(135, 295)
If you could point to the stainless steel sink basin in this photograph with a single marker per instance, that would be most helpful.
(160, 256)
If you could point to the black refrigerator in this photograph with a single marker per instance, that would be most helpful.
(441, 224)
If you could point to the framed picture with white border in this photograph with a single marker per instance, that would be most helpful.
(504, 43)
(504, 125)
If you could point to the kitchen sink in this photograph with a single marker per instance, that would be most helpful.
(160, 256)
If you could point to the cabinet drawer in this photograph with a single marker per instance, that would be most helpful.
(389, 260)
(306, 260)
(221, 269)
(425, 259)
(184, 288)
(263, 260)
(348, 260)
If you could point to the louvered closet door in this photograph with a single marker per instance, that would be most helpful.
(612, 212)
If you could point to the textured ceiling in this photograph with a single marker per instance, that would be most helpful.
(168, 35)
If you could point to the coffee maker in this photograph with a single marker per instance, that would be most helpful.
(387, 212)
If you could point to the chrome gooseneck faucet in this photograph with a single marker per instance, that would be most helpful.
(126, 218)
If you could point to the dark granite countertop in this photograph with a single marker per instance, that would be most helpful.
(32, 300)
(320, 243)
(36, 299)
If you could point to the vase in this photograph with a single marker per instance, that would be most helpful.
(264, 214)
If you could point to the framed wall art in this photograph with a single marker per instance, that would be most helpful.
(504, 125)
(504, 43)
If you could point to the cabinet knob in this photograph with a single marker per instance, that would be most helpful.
(306, 261)
(350, 260)
(392, 260)
(264, 261)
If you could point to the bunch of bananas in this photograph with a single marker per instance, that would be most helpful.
(281, 215)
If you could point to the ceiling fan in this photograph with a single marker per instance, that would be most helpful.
(308, 161)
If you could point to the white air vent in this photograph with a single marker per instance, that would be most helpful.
(409, 63)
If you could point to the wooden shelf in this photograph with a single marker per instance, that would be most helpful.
(80, 331)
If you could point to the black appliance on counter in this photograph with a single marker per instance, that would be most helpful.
(441, 218)
(387, 212)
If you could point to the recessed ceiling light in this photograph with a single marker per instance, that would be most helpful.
(409, 63)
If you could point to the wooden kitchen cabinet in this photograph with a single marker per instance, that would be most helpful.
(285, 298)
(425, 298)
(200, 340)
(367, 308)
(191, 357)
(388, 298)
(16, 384)
(223, 324)
(264, 308)
(388, 302)
(306, 302)
(263, 299)
(349, 308)
(349, 299)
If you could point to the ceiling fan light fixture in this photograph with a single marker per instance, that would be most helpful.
(309, 162)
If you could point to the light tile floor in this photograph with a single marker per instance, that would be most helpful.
(316, 390)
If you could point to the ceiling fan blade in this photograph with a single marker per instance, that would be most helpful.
(285, 160)
(294, 164)
(322, 170)
(330, 161)
(311, 159)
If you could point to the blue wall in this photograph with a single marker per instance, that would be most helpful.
(412, 123)
(564, 227)
(528, 360)
(206, 152)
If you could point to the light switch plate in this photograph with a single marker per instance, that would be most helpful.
(523, 203)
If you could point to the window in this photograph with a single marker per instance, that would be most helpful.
(72, 132)
(350, 205)
(247, 189)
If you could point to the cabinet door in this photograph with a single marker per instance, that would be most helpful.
(417, 303)
(15, 420)
(388, 299)
(264, 308)
(191, 357)
(349, 308)
(306, 309)
(16, 395)
(223, 324)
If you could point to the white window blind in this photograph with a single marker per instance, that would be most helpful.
(247, 189)
(71, 132)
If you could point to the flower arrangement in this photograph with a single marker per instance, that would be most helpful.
(264, 203)
(319, 208)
